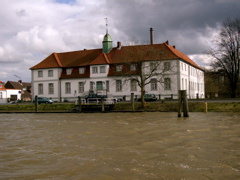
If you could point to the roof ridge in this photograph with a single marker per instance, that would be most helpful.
(57, 59)
(106, 58)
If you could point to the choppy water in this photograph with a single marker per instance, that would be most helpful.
(120, 146)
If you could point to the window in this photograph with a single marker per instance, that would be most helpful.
(119, 68)
(91, 85)
(40, 74)
(102, 69)
(167, 66)
(1, 95)
(133, 85)
(81, 70)
(118, 85)
(0, 85)
(133, 67)
(153, 84)
(50, 88)
(153, 66)
(81, 87)
(40, 88)
(167, 84)
(94, 70)
(50, 73)
(99, 85)
(69, 71)
(68, 88)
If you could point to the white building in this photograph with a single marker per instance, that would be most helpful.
(7, 95)
(64, 76)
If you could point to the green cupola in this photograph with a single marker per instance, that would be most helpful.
(107, 43)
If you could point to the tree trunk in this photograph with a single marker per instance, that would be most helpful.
(143, 103)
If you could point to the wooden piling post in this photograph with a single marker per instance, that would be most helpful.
(79, 104)
(206, 107)
(36, 103)
(102, 103)
(132, 101)
(183, 103)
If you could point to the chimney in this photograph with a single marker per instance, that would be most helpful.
(174, 46)
(167, 42)
(119, 45)
(151, 36)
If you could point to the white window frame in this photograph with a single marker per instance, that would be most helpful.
(102, 69)
(153, 66)
(80, 87)
(119, 68)
(40, 73)
(167, 84)
(50, 88)
(69, 71)
(94, 70)
(40, 88)
(67, 88)
(81, 70)
(50, 73)
(167, 66)
(118, 85)
(133, 85)
(133, 67)
(154, 84)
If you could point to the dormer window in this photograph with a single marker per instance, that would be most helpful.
(133, 67)
(119, 68)
(69, 71)
(94, 70)
(81, 70)
(102, 69)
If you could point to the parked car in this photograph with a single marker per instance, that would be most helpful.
(149, 97)
(44, 100)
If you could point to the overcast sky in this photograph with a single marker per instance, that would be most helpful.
(32, 30)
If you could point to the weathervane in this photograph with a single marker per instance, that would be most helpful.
(106, 19)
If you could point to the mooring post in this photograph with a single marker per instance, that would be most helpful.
(132, 100)
(102, 103)
(183, 103)
(206, 107)
(79, 104)
(36, 103)
(179, 103)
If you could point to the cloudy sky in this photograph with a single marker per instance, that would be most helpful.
(32, 30)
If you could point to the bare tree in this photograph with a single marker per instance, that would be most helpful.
(143, 63)
(226, 53)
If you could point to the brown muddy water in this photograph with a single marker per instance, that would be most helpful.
(119, 146)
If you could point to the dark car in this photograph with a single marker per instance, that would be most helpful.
(43, 100)
(149, 97)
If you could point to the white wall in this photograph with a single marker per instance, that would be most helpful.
(191, 79)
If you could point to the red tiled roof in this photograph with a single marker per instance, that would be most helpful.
(116, 56)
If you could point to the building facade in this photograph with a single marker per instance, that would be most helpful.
(111, 71)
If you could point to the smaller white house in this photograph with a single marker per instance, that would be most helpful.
(8, 95)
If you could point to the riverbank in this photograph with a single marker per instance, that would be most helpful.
(160, 106)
